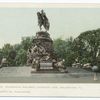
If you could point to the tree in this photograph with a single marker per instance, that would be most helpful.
(9, 52)
(64, 50)
(17, 47)
(26, 42)
(87, 44)
(60, 48)
(21, 50)
(21, 57)
(6, 49)
(1, 55)
(11, 57)
(70, 54)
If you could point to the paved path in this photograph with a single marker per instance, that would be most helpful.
(23, 75)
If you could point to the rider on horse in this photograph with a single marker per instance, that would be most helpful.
(43, 20)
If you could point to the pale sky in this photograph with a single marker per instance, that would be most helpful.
(64, 22)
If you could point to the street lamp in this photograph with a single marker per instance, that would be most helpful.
(95, 70)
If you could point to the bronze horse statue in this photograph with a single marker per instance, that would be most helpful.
(43, 20)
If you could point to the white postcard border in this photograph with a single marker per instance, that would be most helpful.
(49, 89)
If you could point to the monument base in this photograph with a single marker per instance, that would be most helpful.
(42, 55)
(33, 70)
(49, 70)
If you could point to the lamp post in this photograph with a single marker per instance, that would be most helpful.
(95, 70)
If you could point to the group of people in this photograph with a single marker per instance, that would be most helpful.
(36, 50)
(37, 53)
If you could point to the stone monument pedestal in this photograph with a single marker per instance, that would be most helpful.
(42, 56)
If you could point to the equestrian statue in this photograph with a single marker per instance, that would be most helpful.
(43, 20)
